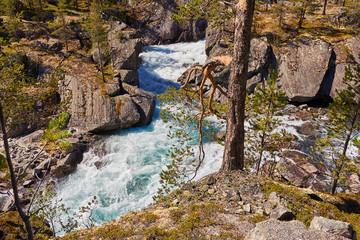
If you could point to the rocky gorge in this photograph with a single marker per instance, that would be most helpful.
(312, 71)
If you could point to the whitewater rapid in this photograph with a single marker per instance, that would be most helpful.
(129, 174)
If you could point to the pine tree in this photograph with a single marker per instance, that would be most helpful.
(264, 105)
(18, 94)
(343, 129)
(235, 128)
(302, 7)
(98, 35)
(61, 24)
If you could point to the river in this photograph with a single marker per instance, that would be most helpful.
(129, 174)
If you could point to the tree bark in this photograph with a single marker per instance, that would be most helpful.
(235, 133)
(324, 7)
(23, 216)
(101, 63)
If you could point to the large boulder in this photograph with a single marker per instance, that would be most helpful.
(69, 163)
(275, 229)
(347, 55)
(299, 169)
(129, 76)
(154, 25)
(125, 54)
(334, 227)
(303, 65)
(25, 141)
(353, 44)
(144, 101)
(104, 107)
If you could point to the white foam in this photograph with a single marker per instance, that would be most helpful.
(129, 172)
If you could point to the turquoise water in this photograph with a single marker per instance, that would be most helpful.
(129, 172)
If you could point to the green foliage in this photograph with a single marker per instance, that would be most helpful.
(10, 7)
(51, 209)
(212, 11)
(85, 214)
(55, 132)
(189, 12)
(343, 207)
(263, 107)
(303, 7)
(13, 26)
(353, 17)
(20, 93)
(3, 164)
(98, 36)
(185, 123)
(343, 129)
(61, 25)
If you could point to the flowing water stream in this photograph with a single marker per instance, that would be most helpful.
(128, 176)
(129, 172)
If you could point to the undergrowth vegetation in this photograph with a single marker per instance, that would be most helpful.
(342, 207)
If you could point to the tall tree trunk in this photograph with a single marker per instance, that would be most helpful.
(301, 18)
(324, 7)
(23, 216)
(101, 63)
(235, 133)
(40, 5)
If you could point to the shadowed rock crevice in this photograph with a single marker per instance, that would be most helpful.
(327, 83)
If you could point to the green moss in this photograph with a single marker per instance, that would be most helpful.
(342, 207)
(150, 218)
(258, 218)
(10, 229)
(176, 214)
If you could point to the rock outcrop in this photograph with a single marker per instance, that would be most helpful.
(303, 65)
(227, 206)
(299, 169)
(125, 57)
(93, 109)
(275, 229)
(335, 227)
(347, 55)
(310, 69)
(260, 59)
(151, 21)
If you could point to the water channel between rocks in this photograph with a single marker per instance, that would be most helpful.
(129, 172)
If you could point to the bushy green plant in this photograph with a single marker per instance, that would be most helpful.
(48, 207)
(55, 132)
(52, 210)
